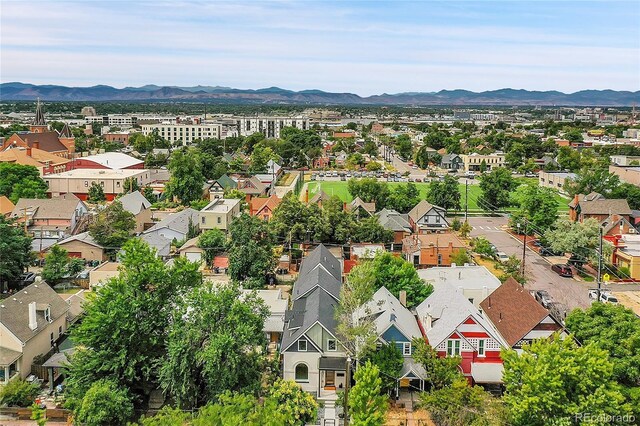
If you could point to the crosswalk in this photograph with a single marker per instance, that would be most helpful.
(488, 228)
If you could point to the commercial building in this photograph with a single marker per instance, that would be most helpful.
(108, 160)
(627, 174)
(476, 162)
(79, 181)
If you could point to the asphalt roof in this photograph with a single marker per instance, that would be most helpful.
(134, 202)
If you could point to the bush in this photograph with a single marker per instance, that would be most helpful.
(456, 224)
(105, 403)
(19, 393)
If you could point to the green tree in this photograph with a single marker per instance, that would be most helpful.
(404, 147)
(402, 198)
(373, 166)
(465, 229)
(483, 247)
(445, 193)
(593, 179)
(357, 333)
(18, 181)
(367, 407)
(15, 251)
(250, 249)
(389, 360)
(369, 190)
(213, 242)
(569, 159)
(538, 209)
(460, 257)
(260, 157)
(112, 226)
(369, 230)
(397, 274)
(214, 344)
(104, 404)
(615, 329)
(19, 393)
(577, 238)
(130, 184)
(122, 336)
(463, 405)
(425, 155)
(496, 187)
(553, 380)
(186, 179)
(297, 405)
(59, 265)
(96, 193)
(441, 372)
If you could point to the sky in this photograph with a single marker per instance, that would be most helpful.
(363, 47)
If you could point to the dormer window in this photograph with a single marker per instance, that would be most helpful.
(47, 314)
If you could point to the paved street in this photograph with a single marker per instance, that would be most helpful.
(567, 291)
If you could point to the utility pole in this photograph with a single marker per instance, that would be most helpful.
(347, 385)
(600, 266)
(466, 199)
(524, 248)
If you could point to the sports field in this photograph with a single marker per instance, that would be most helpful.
(339, 188)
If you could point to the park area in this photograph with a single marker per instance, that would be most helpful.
(339, 188)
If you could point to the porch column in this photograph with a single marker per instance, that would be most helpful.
(6, 374)
(50, 379)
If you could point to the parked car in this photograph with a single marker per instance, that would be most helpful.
(502, 257)
(543, 297)
(418, 180)
(562, 270)
(608, 298)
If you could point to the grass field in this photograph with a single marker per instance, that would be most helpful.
(339, 188)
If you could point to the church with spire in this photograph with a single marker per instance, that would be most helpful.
(41, 137)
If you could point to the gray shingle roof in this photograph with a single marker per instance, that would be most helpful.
(178, 222)
(62, 207)
(394, 221)
(321, 256)
(134, 202)
(14, 310)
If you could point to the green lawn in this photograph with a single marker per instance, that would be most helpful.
(339, 188)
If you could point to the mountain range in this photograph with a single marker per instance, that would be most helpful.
(274, 95)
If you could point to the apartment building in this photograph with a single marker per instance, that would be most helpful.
(187, 133)
(118, 120)
(269, 126)
(554, 180)
(474, 162)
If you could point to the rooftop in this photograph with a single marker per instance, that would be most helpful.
(467, 276)
(113, 160)
(97, 173)
(221, 205)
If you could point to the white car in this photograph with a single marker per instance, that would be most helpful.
(608, 298)
(502, 257)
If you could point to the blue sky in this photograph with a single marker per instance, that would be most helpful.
(360, 47)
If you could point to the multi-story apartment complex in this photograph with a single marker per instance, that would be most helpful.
(79, 181)
(120, 120)
(269, 126)
(187, 133)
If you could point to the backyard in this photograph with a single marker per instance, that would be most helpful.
(339, 188)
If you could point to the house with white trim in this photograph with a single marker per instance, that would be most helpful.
(312, 355)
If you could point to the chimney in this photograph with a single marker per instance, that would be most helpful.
(428, 321)
(33, 322)
(28, 151)
(403, 298)
(36, 144)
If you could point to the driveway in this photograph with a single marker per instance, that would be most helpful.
(570, 292)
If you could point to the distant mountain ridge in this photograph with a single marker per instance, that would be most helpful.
(17, 91)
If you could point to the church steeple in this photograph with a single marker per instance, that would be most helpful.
(39, 124)
(66, 131)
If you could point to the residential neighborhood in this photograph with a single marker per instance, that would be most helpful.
(304, 213)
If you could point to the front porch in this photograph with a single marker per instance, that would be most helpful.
(9, 365)
(332, 377)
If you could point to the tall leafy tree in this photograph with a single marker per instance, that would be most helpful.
(445, 193)
(496, 187)
(441, 372)
(215, 342)
(593, 179)
(298, 406)
(403, 198)
(15, 251)
(213, 242)
(112, 226)
(18, 181)
(250, 248)
(59, 265)
(577, 238)
(186, 176)
(122, 336)
(389, 360)
(95, 194)
(104, 404)
(396, 274)
(615, 329)
(538, 208)
(369, 230)
(555, 379)
(368, 407)
(369, 190)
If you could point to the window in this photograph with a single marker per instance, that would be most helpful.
(302, 345)
(86, 183)
(302, 373)
(438, 219)
(47, 316)
(51, 339)
(331, 345)
(219, 219)
(60, 331)
(453, 347)
(406, 348)
(481, 347)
